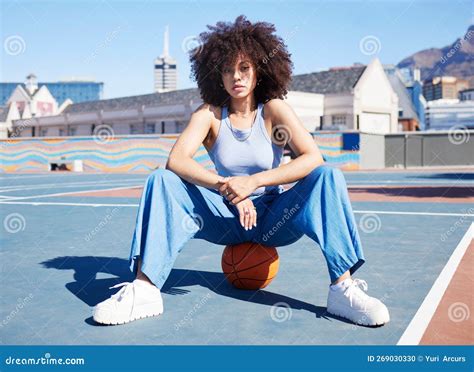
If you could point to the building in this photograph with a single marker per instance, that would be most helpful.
(355, 98)
(159, 113)
(412, 80)
(418, 101)
(167, 112)
(26, 103)
(75, 90)
(165, 69)
(466, 95)
(407, 74)
(443, 87)
(309, 107)
(411, 102)
(445, 114)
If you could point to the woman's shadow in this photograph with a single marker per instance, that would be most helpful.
(92, 290)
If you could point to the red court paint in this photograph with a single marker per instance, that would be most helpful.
(124, 193)
(453, 321)
(423, 194)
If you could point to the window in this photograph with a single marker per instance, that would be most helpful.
(72, 131)
(134, 129)
(179, 126)
(43, 132)
(150, 128)
(338, 120)
(61, 132)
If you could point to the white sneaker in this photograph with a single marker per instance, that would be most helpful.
(135, 300)
(354, 304)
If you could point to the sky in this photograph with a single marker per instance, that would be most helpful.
(116, 42)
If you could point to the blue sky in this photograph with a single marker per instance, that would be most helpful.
(116, 41)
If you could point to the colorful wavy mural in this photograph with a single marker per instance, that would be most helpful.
(135, 153)
(339, 149)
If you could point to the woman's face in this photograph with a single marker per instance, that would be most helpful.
(239, 80)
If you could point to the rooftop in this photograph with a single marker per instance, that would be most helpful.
(332, 81)
(132, 102)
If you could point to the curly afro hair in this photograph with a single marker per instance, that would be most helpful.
(221, 46)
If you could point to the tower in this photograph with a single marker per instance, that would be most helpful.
(165, 71)
(31, 83)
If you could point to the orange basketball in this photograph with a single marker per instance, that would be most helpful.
(250, 265)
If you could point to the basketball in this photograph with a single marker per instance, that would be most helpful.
(250, 265)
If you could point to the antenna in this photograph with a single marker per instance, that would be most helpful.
(166, 42)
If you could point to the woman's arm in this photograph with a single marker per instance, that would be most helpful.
(300, 141)
(180, 159)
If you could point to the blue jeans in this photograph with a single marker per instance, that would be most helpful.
(172, 211)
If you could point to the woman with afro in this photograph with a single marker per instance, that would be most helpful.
(243, 71)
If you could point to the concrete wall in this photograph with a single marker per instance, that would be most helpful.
(104, 154)
(417, 149)
(135, 153)
(372, 151)
(395, 151)
(414, 151)
(345, 150)
(444, 149)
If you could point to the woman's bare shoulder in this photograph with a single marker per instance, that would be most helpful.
(212, 116)
(214, 112)
(276, 106)
(275, 109)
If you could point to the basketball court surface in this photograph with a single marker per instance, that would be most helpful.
(66, 238)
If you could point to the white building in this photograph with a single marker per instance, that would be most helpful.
(26, 104)
(355, 98)
(309, 107)
(165, 69)
(443, 114)
(150, 113)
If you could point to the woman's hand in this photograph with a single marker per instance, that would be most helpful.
(247, 214)
(236, 189)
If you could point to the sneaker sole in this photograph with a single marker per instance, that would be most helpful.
(111, 320)
(359, 321)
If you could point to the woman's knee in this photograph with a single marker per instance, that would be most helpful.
(326, 171)
(162, 174)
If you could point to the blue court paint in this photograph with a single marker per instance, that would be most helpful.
(62, 259)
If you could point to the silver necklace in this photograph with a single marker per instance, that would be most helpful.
(251, 128)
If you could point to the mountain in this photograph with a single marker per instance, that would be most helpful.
(456, 59)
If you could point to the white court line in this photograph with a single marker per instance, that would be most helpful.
(70, 184)
(72, 204)
(419, 213)
(13, 198)
(46, 175)
(417, 327)
(423, 170)
(403, 182)
(136, 205)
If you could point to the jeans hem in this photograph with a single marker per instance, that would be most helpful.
(352, 267)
